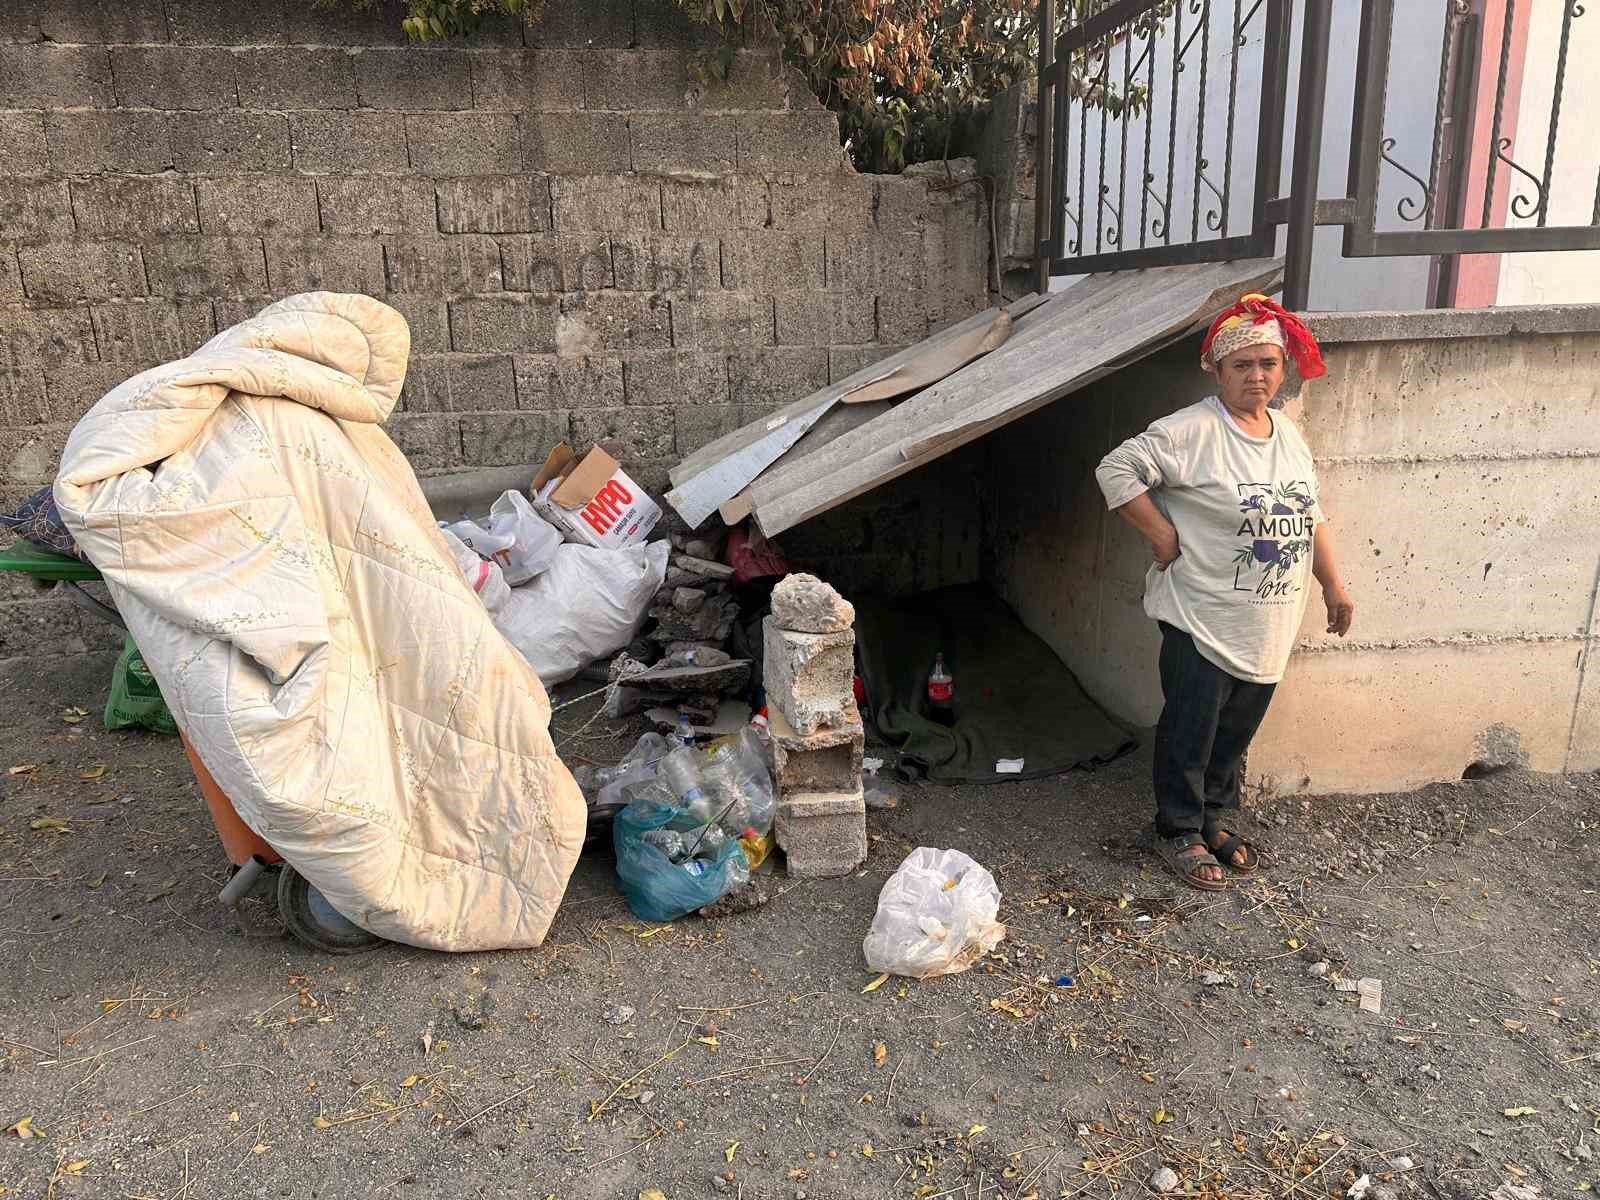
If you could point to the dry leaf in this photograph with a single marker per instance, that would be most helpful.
(23, 769)
(976, 1130)
(24, 1129)
(49, 825)
(879, 1053)
(260, 1148)
(866, 1149)
(322, 1123)
(1514, 1026)
(708, 1041)
(733, 1148)
(1521, 1110)
(652, 1194)
(76, 1168)
(1160, 1117)
(876, 983)
(73, 715)
(234, 1116)
(99, 879)
(410, 1081)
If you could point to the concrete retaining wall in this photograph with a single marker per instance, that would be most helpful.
(587, 242)
(1457, 456)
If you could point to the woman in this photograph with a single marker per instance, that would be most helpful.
(1226, 494)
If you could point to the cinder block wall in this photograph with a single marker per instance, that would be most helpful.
(586, 243)
(1457, 457)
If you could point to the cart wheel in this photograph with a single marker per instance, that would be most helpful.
(312, 920)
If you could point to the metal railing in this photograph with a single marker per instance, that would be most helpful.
(1166, 146)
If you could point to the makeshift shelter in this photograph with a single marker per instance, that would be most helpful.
(927, 413)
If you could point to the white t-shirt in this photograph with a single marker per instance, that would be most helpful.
(1245, 509)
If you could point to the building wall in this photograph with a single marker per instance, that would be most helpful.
(587, 243)
(1456, 454)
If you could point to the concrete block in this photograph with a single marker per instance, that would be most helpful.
(511, 439)
(75, 270)
(102, 21)
(528, 81)
(46, 76)
(845, 361)
(827, 318)
(568, 143)
(225, 143)
(205, 266)
(592, 322)
(756, 80)
(675, 378)
(292, 77)
(83, 143)
(45, 336)
(324, 264)
(777, 375)
(664, 143)
(428, 319)
(651, 263)
(872, 262)
(699, 206)
(512, 325)
(823, 835)
(549, 381)
(364, 206)
(633, 433)
(723, 321)
(663, 23)
(10, 275)
(793, 141)
(637, 81)
(257, 204)
(149, 331)
(74, 388)
(842, 202)
(31, 455)
(463, 143)
(902, 317)
(428, 441)
(22, 144)
(134, 205)
(458, 383)
(229, 23)
(705, 423)
(465, 264)
(579, 24)
(765, 260)
(35, 209)
(803, 603)
(495, 204)
(413, 78)
(23, 400)
(622, 203)
(173, 77)
(556, 262)
(347, 143)
(810, 677)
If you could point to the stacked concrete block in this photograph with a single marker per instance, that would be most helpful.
(816, 728)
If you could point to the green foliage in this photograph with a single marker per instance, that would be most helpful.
(911, 80)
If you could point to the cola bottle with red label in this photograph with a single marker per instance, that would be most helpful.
(941, 693)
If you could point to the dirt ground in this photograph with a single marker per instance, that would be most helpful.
(156, 1049)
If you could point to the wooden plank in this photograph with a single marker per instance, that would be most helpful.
(714, 452)
(699, 496)
(1101, 324)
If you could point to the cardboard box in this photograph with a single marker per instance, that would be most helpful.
(591, 499)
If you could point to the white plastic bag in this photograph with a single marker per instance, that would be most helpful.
(482, 575)
(517, 538)
(588, 604)
(936, 916)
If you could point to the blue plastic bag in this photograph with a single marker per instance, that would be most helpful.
(655, 887)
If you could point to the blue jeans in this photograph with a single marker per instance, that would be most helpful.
(1206, 725)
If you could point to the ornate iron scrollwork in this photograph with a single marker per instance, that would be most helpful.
(1426, 204)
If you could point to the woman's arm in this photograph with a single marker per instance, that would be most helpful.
(1341, 609)
(1141, 512)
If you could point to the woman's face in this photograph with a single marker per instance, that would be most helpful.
(1251, 377)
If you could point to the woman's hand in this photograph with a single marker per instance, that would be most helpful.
(1164, 545)
(1341, 609)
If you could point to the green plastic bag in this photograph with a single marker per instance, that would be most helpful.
(135, 701)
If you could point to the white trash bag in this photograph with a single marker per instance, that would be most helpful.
(482, 575)
(587, 605)
(517, 538)
(936, 916)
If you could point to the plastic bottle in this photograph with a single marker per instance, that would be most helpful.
(681, 770)
(941, 693)
(683, 735)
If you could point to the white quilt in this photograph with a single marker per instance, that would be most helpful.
(278, 567)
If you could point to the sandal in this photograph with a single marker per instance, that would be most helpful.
(1232, 845)
(1183, 865)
